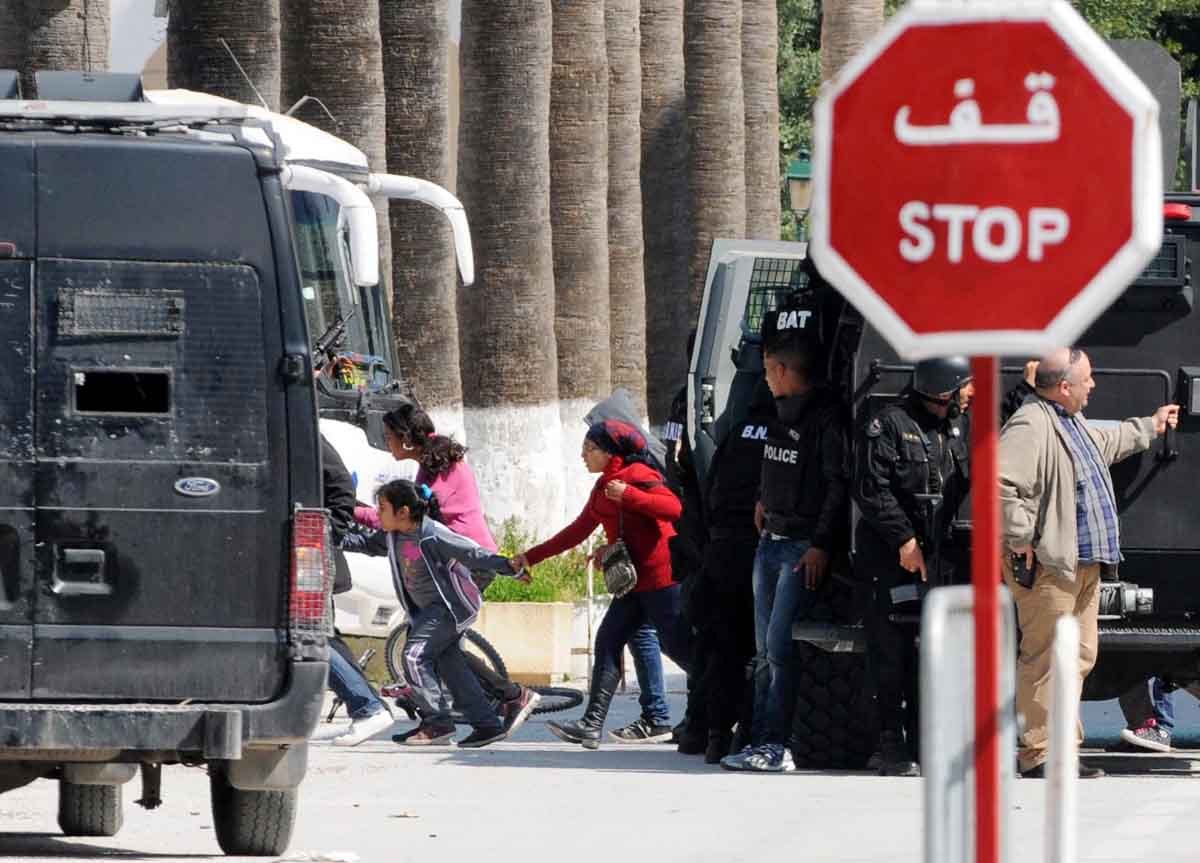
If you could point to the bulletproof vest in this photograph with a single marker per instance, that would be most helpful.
(788, 457)
(735, 474)
(929, 462)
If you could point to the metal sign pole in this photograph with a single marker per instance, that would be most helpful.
(985, 575)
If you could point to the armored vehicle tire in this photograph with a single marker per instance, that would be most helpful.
(834, 726)
(253, 823)
(89, 810)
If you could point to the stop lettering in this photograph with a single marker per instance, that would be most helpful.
(997, 234)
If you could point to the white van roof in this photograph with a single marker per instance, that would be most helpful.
(301, 141)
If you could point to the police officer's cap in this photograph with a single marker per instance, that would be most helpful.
(938, 377)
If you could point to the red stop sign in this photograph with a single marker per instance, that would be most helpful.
(987, 179)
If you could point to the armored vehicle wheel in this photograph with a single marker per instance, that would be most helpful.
(254, 823)
(834, 726)
(89, 810)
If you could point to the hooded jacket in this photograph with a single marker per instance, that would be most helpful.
(450, 559)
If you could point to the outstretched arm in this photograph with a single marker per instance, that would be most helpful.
(569, 537)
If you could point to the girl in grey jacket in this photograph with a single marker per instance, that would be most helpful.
(431, 568)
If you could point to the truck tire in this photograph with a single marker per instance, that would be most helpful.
(251, 823)
(89, 810)
(834, 725)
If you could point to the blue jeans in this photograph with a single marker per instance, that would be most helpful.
(779, 597)
(1149, 700)
(1164, 710)
(647, 664)
(348, 683)
(630, 613)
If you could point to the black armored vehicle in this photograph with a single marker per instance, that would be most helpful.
(1145, 352)
(164, 557)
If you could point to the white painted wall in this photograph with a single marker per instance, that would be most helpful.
(577, 482)
(516, 456)
(136, 33)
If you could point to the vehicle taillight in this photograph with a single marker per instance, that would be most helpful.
(1177, 212)
(309, 614)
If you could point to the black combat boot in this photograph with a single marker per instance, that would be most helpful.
(720, 744)
(691, 740)
(587, 729)
(896, 757)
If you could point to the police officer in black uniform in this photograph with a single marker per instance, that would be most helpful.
(802, 518)
(720, 604)
(912, 476)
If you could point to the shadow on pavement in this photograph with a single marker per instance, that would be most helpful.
(1150, 764)
(613, 758)
(55, 845)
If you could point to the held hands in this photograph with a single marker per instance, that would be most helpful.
(1165, 417)
(1026, 550)
(520, 566)
(614, 489)
(814, 564)
(911, 558)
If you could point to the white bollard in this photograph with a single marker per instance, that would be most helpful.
(948, 723)
(591, 596)
(1062, 765)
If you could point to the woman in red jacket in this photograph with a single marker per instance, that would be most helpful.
(632, 502)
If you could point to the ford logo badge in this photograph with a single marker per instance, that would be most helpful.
(197, 486)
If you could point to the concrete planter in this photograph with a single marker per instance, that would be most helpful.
(534, 638)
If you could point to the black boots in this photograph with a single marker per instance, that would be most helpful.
(720, 744)
(896, 757)
(587, 729)
(690, 740)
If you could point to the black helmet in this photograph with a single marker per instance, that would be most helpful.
(939, 377)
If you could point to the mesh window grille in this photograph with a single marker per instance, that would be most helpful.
(1165, 264)
(771, 281)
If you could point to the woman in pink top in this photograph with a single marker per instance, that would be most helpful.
(410, 434)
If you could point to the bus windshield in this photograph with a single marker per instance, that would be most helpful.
(327, 287)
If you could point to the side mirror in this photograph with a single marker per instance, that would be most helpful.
(362, 244)
(356, 218)
(395, 187)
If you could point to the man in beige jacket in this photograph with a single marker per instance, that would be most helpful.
(1059, 519)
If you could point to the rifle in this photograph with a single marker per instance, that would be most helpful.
(325, 348)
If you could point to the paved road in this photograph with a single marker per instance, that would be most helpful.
(535, 799)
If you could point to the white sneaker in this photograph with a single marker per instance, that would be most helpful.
(362, 730)
(770, 758)
(328, 731)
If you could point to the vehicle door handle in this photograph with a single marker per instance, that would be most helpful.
(80, 572)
